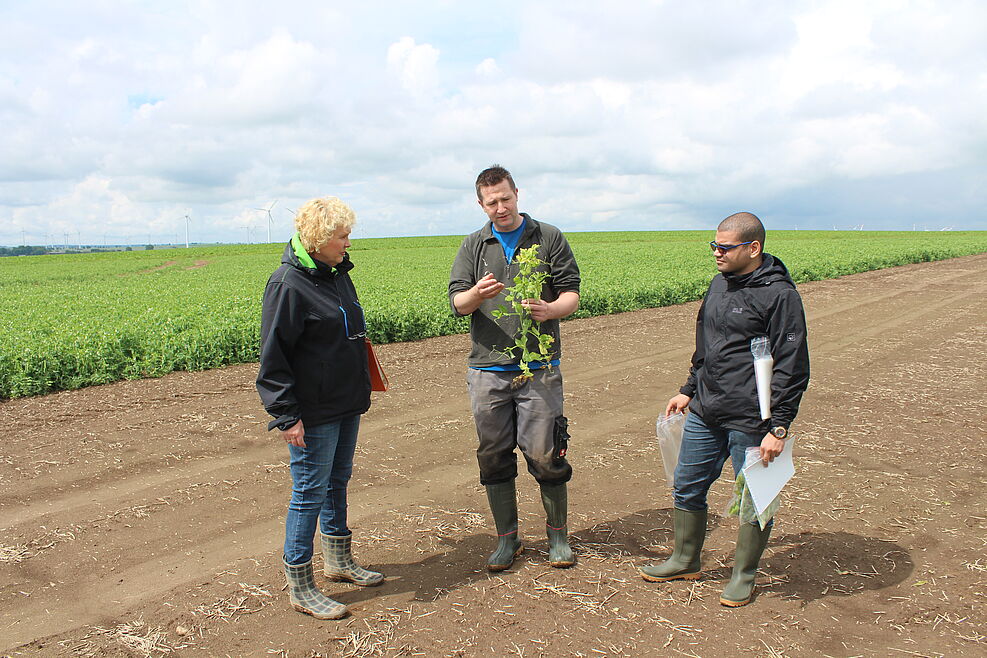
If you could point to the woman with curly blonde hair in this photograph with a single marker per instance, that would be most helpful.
(314, 380)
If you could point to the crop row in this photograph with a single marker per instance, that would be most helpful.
(76, 320)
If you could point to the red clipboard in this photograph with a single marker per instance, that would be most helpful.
(378, 378)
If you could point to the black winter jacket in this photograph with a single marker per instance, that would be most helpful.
(313, 357)
(735, 310)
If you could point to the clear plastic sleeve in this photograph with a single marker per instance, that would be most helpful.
(669, 432)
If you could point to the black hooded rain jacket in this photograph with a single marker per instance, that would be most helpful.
(313, 357)
(735, 310)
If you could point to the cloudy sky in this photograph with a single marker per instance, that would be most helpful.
(119, 118)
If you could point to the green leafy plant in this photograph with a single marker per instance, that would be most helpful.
(527, 285)
(144, 313)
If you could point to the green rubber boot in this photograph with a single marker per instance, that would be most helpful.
(555, 499)
(503, 505)
(306, 597)
(751, 541)
(683, 564)
(338, 553)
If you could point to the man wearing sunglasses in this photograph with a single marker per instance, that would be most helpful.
(753, 295)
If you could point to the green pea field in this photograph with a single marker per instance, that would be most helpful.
(76, 320)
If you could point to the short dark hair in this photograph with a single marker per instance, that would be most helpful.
(747, 226)
(491, 176)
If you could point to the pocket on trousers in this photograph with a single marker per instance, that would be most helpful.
(561, 438)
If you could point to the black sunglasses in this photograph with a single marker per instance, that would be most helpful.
(726, 247)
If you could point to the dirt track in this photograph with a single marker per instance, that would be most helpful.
(158, 505)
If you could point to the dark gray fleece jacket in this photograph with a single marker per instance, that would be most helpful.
(480, 253)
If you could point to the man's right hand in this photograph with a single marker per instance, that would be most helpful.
(469, 300)
(488, 287)
(679, 403)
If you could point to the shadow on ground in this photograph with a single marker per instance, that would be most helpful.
(812, 565)
(804, 566)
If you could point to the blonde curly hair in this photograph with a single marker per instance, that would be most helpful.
(319, 219)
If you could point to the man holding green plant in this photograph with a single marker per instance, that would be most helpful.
(516, 278)
(753, 296)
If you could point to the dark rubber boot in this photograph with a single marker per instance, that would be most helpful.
(306, 597)
(338, 553)
(751, 541)
(555, 499)
(684, 564)
(503, 506)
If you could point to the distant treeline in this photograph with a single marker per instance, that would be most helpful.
(59, 250)
(23, 251)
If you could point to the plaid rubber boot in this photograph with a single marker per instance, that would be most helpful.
(338, 554)
(306, 597)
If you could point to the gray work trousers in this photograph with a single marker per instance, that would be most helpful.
(529, 418)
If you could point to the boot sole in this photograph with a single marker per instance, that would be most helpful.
(736, 604)
(336, 578)
(504, 567)
(665, 579)
(320, 617)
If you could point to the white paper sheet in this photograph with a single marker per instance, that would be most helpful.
(766, 482)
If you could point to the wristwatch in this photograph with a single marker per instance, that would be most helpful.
(779, 432)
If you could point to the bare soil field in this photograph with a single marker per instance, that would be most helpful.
(144, 518)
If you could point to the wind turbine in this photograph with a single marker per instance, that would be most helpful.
(187, 220)
(270, 219)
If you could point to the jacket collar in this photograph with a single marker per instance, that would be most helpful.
(530, 227)
(296, 255)
(769, 271)
(303, 258)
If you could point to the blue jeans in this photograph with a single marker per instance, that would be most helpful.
(320, 473)
(702, 455)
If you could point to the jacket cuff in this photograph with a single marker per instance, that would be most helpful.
(283, 423)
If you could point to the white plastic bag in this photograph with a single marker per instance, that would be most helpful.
(763, 367)
(669, 432)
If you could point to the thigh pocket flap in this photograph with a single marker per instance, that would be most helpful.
(561, 438)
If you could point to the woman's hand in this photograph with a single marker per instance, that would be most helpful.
(295, 435)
